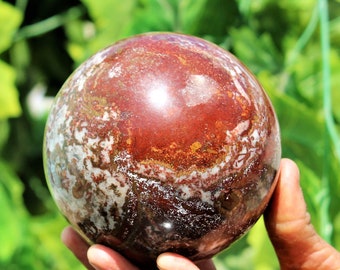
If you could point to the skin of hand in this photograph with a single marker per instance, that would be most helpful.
(295, 241)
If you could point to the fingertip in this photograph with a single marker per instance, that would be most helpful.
(290, 200)
(67, 235)
(97, 257)
(289, 172)
(77, 245)
(102, 257)
(296, 242)
(287, 206)
(167, 261)
(72, 239)
(162, 261)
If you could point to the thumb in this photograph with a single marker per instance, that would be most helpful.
(297, 244)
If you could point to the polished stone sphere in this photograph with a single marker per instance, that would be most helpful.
(162, 142)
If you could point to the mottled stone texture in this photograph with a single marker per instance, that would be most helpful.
(162, 142)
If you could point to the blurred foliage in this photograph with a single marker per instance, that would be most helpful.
(293, 47)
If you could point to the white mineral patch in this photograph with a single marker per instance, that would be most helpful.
(87, 70)
(237, 69)
(115, 71)
(74, 207)
(232, 72)
(111, 198)
(240, 89)
(106, 116)
(241, 127)
(107, 143)
(80, 134)
(93, 142)
(239, 162)
(97, 58)
(199, 89)
(54, 136)
(186, 192)
(254, 137)
(206, 197)
(214, 170)
(105, 155)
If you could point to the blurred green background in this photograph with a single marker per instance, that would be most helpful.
(293, 47)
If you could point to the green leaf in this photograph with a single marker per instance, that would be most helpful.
(236, 257)
(264, 257)
(189, 15)
(10, 20)
(172, 15)
(335, 80)
(46, 230)
(4, 132)
(302, 128)
(156, 16)
(9, 97)
(214, 19)
(110, 13)
(20, 56)
(337, 231)
(111, 21)
(305, 80)
(312, 188)
(258, 52)
(13, 214)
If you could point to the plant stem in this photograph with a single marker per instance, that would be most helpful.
(49, 24)
(21, 4)
(331, 136)
(300, 44)
(304, 38)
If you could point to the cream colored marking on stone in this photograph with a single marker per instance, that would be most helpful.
(237, 69)
(111, 197)
(54, 137)
(241, 90)
(106, 146)
(88, 69)
(186, 192)
(199, 89)
(115, 71)
(241, 127)
(206, 197)
(93, 142)
(80, 134)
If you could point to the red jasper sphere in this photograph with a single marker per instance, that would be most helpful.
(162, 142)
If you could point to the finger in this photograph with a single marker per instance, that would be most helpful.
(206, 265)
(104, 258)
(295, 240)
(169, 261)
(76, 244)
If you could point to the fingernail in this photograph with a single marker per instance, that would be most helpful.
(95, 256)
(163, 261)
(174, 261)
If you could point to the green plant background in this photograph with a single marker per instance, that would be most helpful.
(293, 47)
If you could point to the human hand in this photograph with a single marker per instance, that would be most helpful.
(100, 257)
(296, 243)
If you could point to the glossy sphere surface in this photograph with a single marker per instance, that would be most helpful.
(162, 142)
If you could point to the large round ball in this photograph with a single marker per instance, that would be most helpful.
(162, 142)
